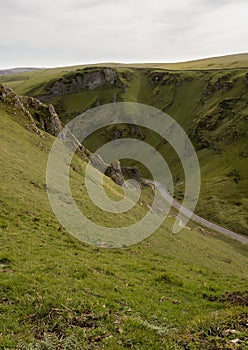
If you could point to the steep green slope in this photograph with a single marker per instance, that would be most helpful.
(170, 291)
(208, 98)
(212, 108)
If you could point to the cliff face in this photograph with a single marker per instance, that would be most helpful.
(81, 80)
(9, 100)
(45, 115)
(41, 116)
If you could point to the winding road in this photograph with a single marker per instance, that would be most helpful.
(198, 219)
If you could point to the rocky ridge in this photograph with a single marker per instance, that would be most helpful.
(44, 117)
(41, 116)
(81, 80)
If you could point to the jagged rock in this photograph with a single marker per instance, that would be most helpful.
(44, 115)
(166, 78)
(98, 163)
(125, 130)
(73, 143)
(40, 115)
(134, 173)
(115, 172)
(79, 81)
(56, 125)
(10, 99)
(221, 84)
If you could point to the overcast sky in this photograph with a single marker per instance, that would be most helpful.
(49, 33)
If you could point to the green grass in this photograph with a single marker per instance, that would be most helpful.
(229, 61)
(71, 105)
(41, 77)
(213, 117)
(56, 292)
(218, 133)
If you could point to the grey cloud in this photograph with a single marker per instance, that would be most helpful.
(221, 2)
(86, 4)
(63, 32)
(214, 4)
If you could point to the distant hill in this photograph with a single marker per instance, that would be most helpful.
(211, 63)
(228, 61)
(17, 70)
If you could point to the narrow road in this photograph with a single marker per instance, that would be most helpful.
(198, 219)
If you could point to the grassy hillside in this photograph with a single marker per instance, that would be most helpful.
(185, 291)
(208, 98)
(32, 79)
(229, 61)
